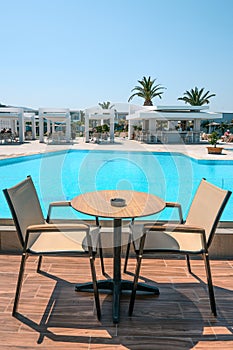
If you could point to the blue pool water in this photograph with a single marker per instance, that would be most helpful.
(63, 175)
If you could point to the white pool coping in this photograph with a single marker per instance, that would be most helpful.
(197, 151)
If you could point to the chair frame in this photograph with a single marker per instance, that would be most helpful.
(178, 228)
(48, 227)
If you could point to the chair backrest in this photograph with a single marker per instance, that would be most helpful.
(207, 207)
(25, 207)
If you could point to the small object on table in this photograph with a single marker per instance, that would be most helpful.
(117, 202)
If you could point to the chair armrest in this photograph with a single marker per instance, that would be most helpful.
(60, 204)
(178, 206)
(57, 227)
(64, 204)
(173, 228)
(57, 204)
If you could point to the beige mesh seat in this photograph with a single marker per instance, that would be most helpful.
(41, 237)
(194, 236)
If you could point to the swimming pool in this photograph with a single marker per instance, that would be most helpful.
(65, 174)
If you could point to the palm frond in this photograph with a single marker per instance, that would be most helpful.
(195, 97)
(147, 90)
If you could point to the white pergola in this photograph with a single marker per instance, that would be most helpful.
(97, 113)
(14, 115)
(53, 115)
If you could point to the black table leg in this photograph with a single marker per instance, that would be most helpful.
(116, 286)
(111, 285)
(116, 271)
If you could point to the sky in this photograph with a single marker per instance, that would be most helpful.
(77, 53)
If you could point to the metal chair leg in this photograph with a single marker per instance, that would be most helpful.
(137, 272)
(93, 273)
(210, 284)
(101, 260)
(188, 263)
(95, 287)
(39, 263)
(127, 254)
(101, 256)
(19, 283)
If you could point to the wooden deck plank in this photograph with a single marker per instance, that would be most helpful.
(52, 314)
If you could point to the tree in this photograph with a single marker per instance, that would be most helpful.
(213, 138)
(205, 124)
(223, 127)
(105, 128)
(196, 97)
(106, 105)
(147, 90)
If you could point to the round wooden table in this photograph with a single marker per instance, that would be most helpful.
(98, 204)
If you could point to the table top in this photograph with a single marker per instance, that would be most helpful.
(98, 203)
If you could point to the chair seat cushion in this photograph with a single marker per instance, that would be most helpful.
(72, 241)
(166, 241)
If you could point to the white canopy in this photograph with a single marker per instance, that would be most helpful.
(97, 113)
(14, 114)
(173, 113)
(53, 115)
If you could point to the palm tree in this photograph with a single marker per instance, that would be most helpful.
(147, 90)
(196, 97)
(106, 105)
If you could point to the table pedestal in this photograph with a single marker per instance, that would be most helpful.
(116, 286)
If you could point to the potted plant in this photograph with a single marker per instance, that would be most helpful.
(213, 139)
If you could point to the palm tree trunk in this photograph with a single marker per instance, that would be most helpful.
(148, 103)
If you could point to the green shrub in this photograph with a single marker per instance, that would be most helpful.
(213, 138)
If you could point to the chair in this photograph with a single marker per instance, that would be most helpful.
(96, 137)
(192, 237)
(42, 238)
(56, 137)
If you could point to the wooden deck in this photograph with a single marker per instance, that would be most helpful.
(51, 314)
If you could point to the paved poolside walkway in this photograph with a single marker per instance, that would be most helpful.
(198, 151)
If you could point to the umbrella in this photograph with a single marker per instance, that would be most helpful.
(213, 124)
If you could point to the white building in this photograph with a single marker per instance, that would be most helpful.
(170, 124)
